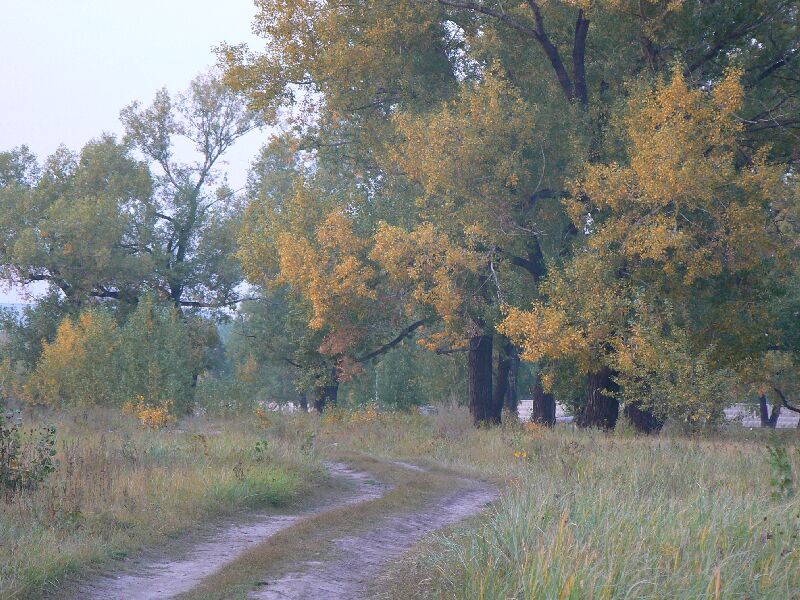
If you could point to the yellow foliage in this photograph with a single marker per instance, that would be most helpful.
(681, 201)
(264, 418)
(471, 156)
(679, 212)
(151, 417)
(341, 416)
(427, 264)
(73, 367)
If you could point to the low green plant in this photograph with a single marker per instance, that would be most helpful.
(781, 480)
(27, 458)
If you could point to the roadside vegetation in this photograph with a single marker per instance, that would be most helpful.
(118, 487)
(458, 204)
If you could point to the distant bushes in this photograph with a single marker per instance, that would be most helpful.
(95, 361)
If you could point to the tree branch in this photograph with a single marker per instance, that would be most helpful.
(579, 59)
(400, 337)
(784, 401)
(538, 33)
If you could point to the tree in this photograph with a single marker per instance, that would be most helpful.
(102, 225)
(77, 223)
(307, 236)
(193, 233)
(681, 223)
(377, 75)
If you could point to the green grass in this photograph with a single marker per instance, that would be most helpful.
(594, 515)
(119, 488)
(584, 514)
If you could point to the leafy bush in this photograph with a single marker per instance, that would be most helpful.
(26, 458)
(77, 367)
(93, 361)
(154, 358)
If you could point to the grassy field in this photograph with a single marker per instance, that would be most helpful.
(584, 514)
(119, 487)
(591, 515)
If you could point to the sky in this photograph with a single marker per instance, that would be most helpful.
(69, 66)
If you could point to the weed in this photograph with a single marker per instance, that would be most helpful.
(27, 458)
(781, 479)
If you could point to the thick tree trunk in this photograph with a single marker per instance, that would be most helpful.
(601, 410)
(511, 399)
(326, 396)
(303, 402)
(502, 380)
(644, 421)
(479, 365)
(543, 409)
(767, 419)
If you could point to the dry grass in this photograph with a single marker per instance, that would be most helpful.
(591, 515)
(585, 515)
(119, 487)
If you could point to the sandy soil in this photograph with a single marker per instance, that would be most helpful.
(362, 557)
(346, 574)
(170, 576)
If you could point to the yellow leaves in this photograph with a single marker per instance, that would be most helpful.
(425, 262)
(472, 155)
(67, 367)
(150, 417)
(543, 331)
(681, 206)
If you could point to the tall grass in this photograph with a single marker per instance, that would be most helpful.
(591, 515)
(584, 514)
(119, 487)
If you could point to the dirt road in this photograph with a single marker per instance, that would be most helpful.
(340, 546)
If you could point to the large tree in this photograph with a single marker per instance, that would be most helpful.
(103, 224)
(418, 96)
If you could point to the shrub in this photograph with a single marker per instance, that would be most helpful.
(77, 367)
(154, 360)
(152, 417)
(93, 361)
(26, 458)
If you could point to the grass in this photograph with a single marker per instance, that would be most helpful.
(584, 515)
(591, 515)
(119, 488)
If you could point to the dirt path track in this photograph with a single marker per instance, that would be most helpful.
(362, 557)
(357, 558)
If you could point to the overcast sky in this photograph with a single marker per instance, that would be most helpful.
(69, 66)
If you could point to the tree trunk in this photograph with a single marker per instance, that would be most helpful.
(479, 365)
(502, 381)
(601, 409)
(511, 400)
(644, 421)
(326, 395)
(543, 409)
(767, 419)
(304, 402)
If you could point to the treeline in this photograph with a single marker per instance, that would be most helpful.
(607, 190)
(594, 202)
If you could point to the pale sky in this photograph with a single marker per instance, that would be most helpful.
(67, 67)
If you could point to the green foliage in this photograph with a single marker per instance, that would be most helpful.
(781, 480)
(154, 358)
(27, 458)
(24, 334)
(409, 376)
(94, 361)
